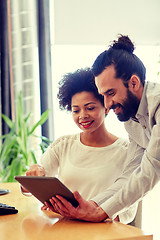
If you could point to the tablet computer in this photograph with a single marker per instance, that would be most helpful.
(4, 191)
(44, 188)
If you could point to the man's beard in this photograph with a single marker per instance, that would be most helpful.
(129, 107)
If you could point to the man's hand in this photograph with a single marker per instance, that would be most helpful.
(87, 210)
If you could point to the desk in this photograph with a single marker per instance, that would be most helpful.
(33, 224)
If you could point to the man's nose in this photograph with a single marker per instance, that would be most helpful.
(108, 102)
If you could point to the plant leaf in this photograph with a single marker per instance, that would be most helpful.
(16, 154)
(41, 121)
(33, 157)
(7, 120)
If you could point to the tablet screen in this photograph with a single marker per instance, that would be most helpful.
(44, 188)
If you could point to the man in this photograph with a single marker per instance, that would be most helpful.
(120, 78)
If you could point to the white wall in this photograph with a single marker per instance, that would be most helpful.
(99, 21)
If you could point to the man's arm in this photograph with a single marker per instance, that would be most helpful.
(135, 154)
(141, 181)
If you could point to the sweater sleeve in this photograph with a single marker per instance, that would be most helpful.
(50, 162)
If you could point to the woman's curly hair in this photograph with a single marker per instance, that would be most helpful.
(76, 82)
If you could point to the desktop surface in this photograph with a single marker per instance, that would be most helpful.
(32, 223)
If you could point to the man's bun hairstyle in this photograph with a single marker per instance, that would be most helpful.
(123, 43)
(120, 55)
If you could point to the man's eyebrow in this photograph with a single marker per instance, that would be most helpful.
(110, 90)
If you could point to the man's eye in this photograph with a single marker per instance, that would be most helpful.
(110, 93)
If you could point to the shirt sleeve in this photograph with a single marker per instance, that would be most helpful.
(128, 214)
(142, 180)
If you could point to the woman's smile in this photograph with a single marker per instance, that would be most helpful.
(86, 124)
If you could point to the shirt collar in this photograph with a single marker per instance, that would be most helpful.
(143, 106)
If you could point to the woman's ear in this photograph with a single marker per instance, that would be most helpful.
(134, 83)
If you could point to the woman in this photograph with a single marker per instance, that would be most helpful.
(93, 159)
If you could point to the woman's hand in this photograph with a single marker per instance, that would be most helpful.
(34, 170)
(86, 210)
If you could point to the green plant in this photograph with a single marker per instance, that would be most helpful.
(16, 152)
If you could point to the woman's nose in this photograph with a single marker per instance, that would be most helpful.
(83, 115)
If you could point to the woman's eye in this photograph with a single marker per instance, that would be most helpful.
(91, 108)
(75, 111)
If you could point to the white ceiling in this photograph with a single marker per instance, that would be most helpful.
(99, 21)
